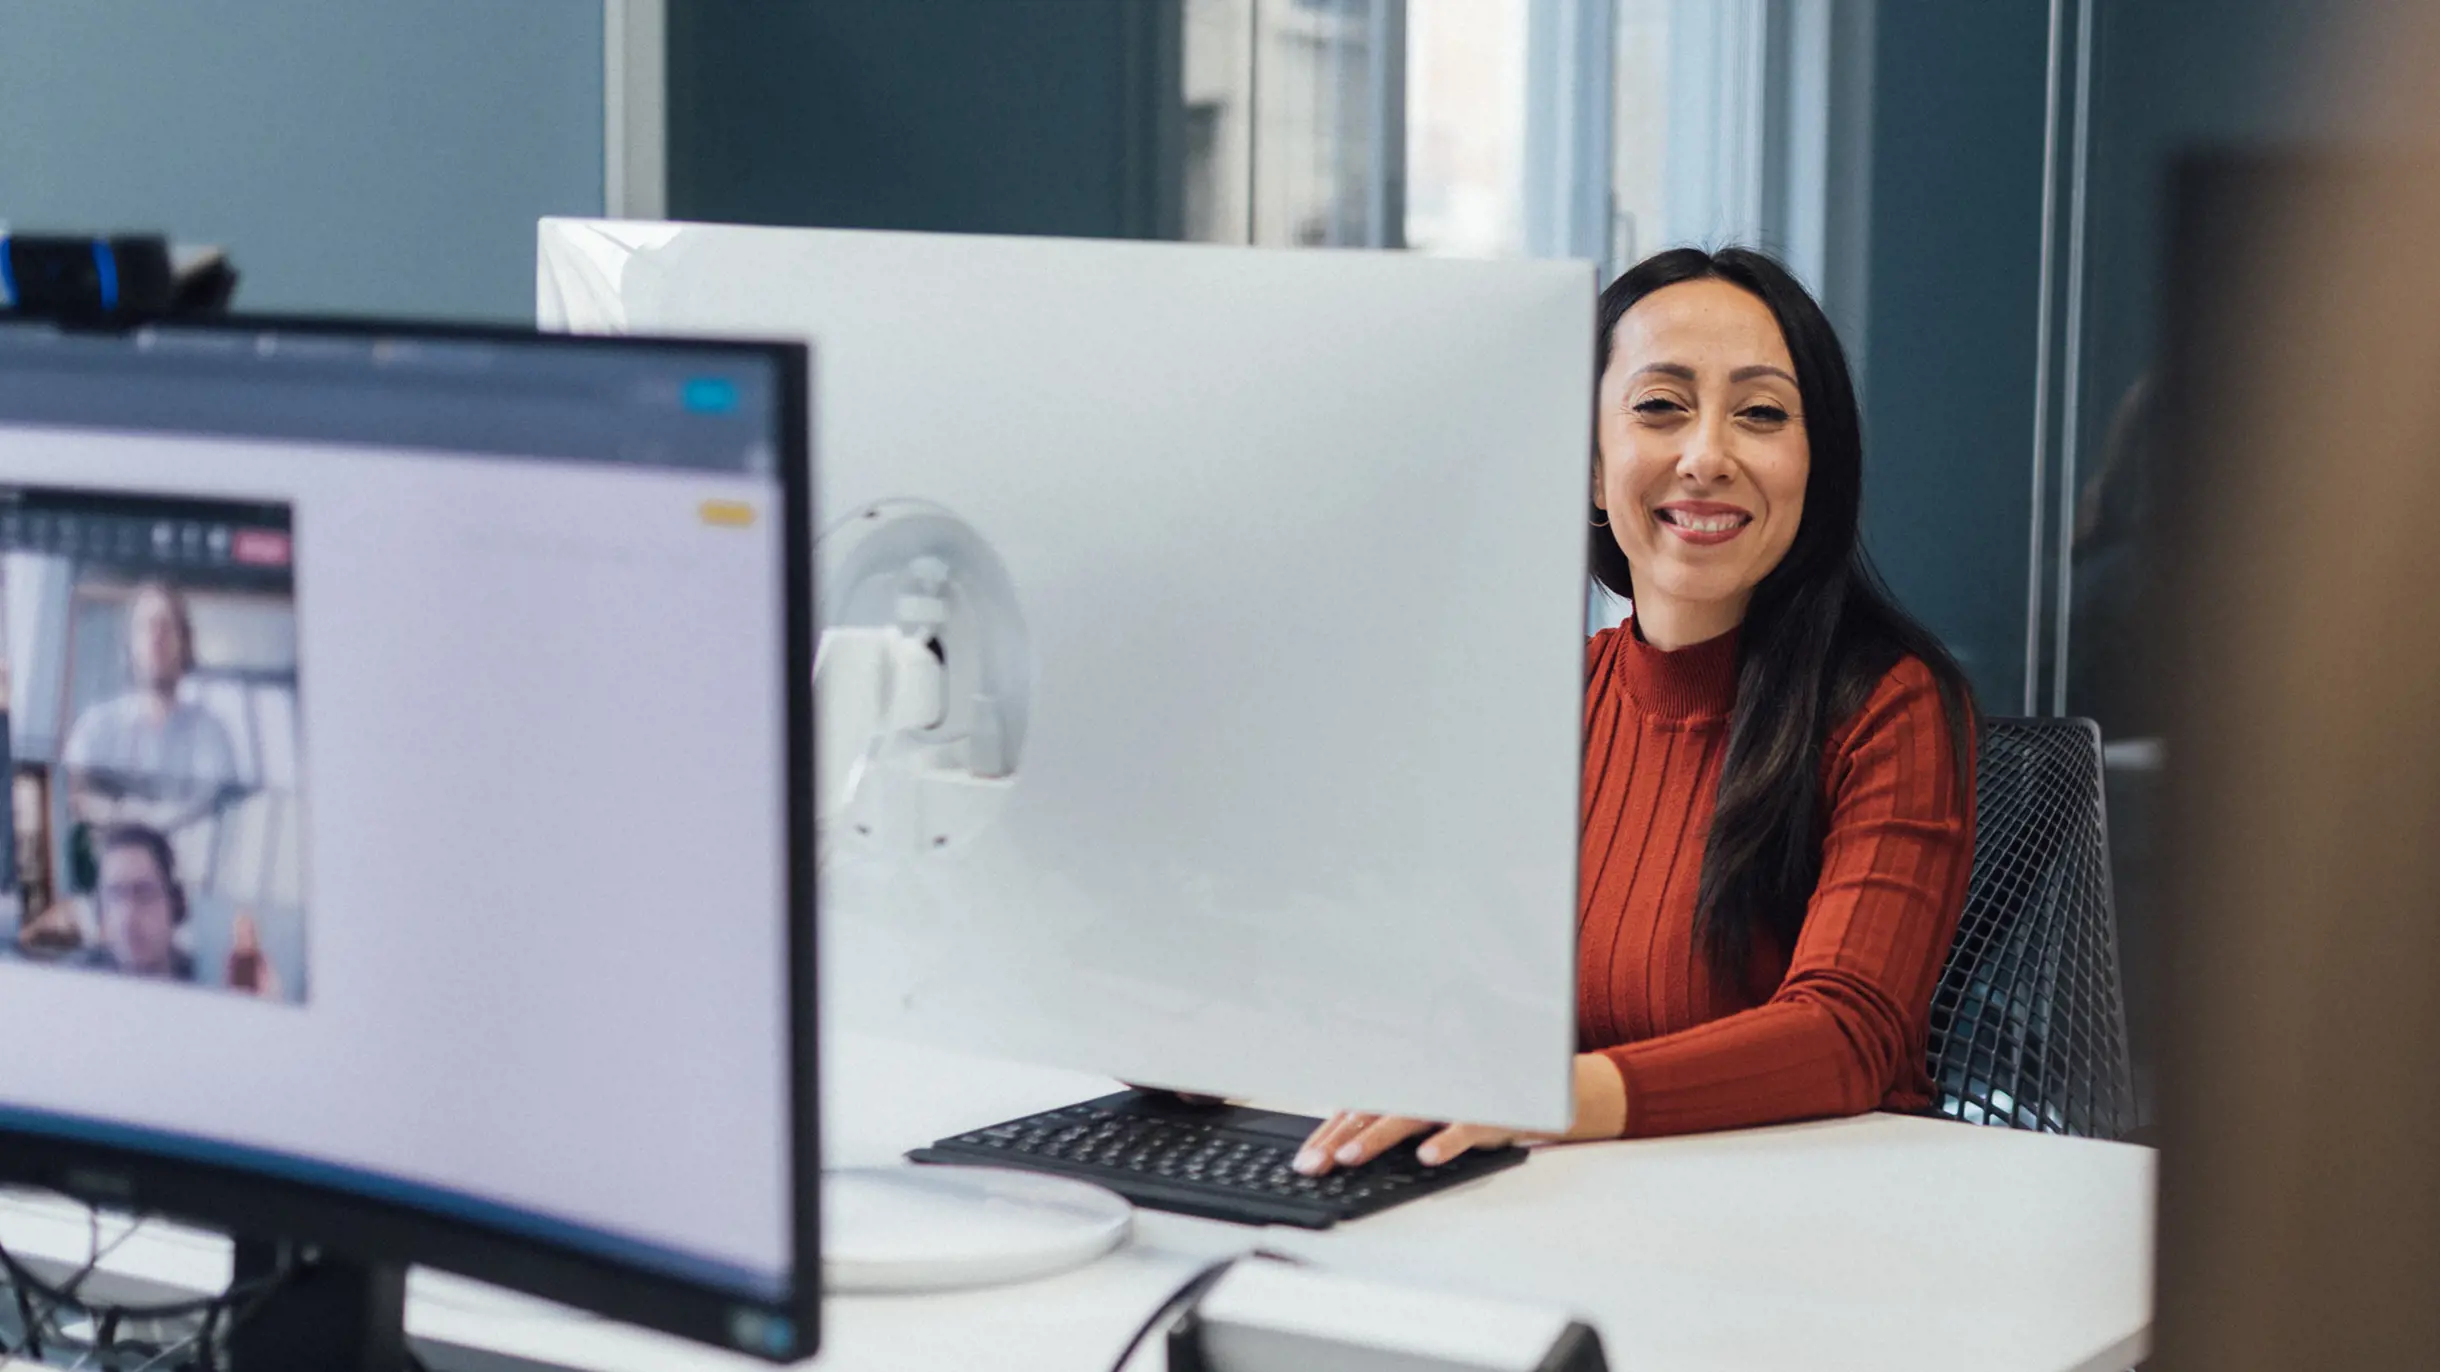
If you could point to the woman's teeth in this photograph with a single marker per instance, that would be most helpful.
(1708, 524)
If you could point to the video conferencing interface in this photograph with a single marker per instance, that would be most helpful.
(396, 738)
(155, 818)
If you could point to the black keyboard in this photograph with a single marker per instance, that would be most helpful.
(1223, 1162)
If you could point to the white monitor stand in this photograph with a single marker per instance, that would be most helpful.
(904, 737)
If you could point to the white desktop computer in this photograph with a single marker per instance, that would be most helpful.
(1251, 588)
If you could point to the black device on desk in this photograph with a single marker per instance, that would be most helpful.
(538, 604)
(92, 279)
(1223, 1162)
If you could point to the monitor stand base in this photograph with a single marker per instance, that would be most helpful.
(327, 1313)
(932, 1228)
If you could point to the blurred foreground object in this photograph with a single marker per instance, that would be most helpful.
(2300, 1172)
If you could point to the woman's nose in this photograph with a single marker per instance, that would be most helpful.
(1705, 456)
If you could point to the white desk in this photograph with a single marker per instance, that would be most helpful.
(1880, 1242)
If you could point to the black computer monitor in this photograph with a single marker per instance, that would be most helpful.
(409, 730)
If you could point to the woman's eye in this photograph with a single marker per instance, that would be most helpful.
(1766, 414)
(1656, 406)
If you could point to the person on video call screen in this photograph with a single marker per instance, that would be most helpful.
(141, 904)
(145, 756)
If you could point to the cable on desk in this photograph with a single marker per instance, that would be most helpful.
(221, 1314)
(1186, 1294)
(34, 1324)
(1178, 1299)
(232, 1306)
(96, 1253)
(26, 1280)
(29, 1337)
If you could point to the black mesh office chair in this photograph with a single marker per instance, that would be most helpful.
(2029, 1021)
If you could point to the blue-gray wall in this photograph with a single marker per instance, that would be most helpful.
(975, 116)
(354, 156)
(1954, 280)
(2169, 77)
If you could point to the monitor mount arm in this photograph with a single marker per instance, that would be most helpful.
(921, 683)
(922, 692)
(871, 685)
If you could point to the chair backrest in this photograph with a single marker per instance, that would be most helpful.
(2029, 1021)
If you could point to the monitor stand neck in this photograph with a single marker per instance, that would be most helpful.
(330, 1313)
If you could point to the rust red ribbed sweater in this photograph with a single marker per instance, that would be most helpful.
(1834, 1026)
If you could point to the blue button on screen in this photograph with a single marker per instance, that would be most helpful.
(710, 395)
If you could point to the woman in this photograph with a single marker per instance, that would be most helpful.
(1778, 797)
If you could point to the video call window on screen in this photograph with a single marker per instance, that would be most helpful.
(148, 674)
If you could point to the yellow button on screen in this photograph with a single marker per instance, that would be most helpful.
(726, 514)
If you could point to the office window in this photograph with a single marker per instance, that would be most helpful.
(1465, 134)
(1600, 129)
(1291, 130)
(1639, 133)
(1218, 90)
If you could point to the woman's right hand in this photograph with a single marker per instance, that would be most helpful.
(1351, 1138)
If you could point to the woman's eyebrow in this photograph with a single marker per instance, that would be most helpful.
(1683, 372)
(1759, 369)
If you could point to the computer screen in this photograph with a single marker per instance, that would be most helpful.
(401, 739)
(1259, 579)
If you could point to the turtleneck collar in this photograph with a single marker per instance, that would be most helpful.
(1695, 682)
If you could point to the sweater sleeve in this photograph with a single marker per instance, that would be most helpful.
(1846, 1028)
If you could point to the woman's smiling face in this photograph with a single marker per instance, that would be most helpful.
(1704, 458)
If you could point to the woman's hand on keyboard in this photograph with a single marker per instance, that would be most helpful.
(1352, 1138)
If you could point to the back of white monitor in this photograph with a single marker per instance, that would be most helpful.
(1298, 542)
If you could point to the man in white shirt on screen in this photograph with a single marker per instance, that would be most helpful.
(145, 756)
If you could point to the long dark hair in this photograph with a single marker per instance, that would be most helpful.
(1819, 634)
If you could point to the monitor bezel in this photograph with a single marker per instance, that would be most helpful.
(238, 1200)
